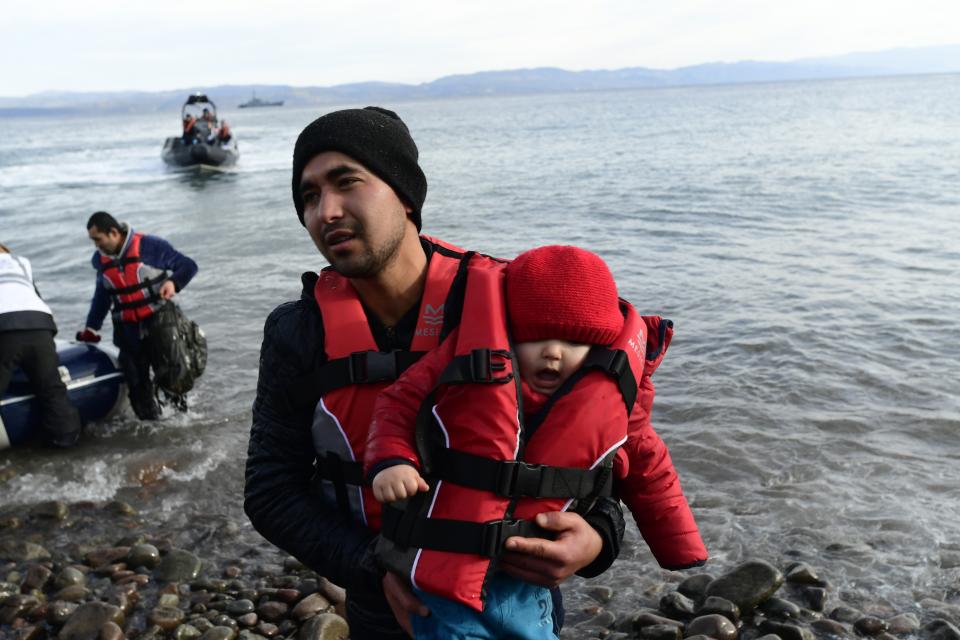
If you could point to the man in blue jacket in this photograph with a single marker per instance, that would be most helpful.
(136, 275)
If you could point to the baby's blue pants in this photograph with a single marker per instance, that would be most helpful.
(514, 609)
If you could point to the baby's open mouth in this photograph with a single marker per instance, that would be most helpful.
(546, 378)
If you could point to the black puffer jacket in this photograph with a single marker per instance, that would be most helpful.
(278, 496)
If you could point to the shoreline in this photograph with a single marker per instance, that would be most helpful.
(102, 569)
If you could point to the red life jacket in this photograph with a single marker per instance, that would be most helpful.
(356, 371)
(135, 287)
(484, 465)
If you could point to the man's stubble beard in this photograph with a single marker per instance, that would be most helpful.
(371, 261)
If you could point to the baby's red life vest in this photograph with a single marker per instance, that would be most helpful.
(486, 466)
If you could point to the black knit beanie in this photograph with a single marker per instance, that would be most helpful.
(375, 137)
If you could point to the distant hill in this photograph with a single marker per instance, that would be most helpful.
(942, 59)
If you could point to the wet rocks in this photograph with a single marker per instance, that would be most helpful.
(326, 626)
(695, 586)
(144, 585)
(712, 625)
(53, 510)
(903, 624)
(869, 626)
(703, 608)
(87, 621)
(310, 606)
(786, 631)
(747, 585)
(178, 566)
(940, 629)
(802, 573)
(143, 555)
(150, 590)
(721, 606)
(22, 551)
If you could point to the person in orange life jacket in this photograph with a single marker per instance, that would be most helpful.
(189, 128)
(26, 341)
(223, 133)
(560, 301)
(358, 189)
(136, 275)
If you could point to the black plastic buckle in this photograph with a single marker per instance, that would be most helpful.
(483, 367)
(495, 533)
(517, 478)
(372, 366)
(619, 364)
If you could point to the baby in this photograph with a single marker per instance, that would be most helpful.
(553, 316)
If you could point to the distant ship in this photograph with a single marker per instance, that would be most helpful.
(257, 102)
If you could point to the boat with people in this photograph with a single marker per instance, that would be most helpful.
(205, 141)
(95, 386)
(257, 102)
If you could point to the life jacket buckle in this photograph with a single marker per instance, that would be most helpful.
(372, 366)
(483, 367)
(519, 479)
(495, 533)
(619, 364)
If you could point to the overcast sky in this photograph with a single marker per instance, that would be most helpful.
(170, 44)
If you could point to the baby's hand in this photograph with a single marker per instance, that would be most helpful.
(398, 482)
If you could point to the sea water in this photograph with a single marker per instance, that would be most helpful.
(803, 237)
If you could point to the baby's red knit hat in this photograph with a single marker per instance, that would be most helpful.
(562, 293)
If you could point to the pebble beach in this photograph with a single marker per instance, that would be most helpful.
(89, 571)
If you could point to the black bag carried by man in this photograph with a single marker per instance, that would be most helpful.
(178, 349)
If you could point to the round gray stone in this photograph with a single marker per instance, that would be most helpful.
(713, 625)
(310, 606)
(903, 623)
(167, 618)
(661, 632)
(37, 576)
(747, 585)
(325, 626)
(721, 606)
(178, 566)
(143, 555)
(695, 586)
(677, 605)
(69, 577)
(88, 619)
(827, 627)
(780, 609)
(869, 626)
(786, 631)
(22, 551)
(240, 607)
(185, 632)
(940, 629)
(272, 611)
(219, 633)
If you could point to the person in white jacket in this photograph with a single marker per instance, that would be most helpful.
(26, 341)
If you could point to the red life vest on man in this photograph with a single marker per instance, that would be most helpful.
(483, 464)
(135, 287)
(356, 372)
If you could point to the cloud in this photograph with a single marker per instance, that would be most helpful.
(112, 45)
